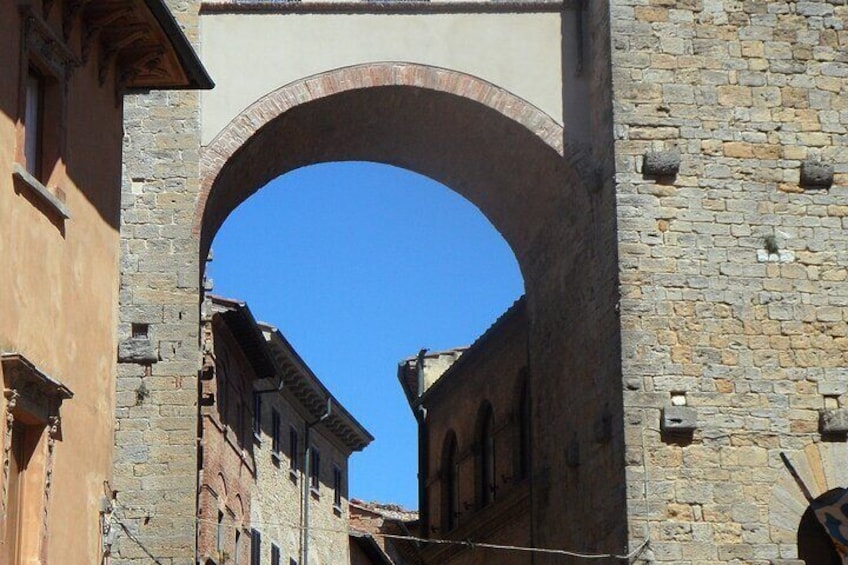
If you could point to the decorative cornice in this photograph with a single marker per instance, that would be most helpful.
(385, 7)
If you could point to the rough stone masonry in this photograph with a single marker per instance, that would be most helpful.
(733, 272)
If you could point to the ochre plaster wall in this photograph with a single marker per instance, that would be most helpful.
(58, 306)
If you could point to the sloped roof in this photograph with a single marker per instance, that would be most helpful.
(311, 393)
(271, 355)
(406, 369)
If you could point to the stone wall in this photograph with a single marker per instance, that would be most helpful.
(278, 493)
(155, 459)
(733, 291)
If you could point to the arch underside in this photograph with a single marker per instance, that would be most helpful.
(498, 151)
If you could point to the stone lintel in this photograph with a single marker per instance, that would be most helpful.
(137, 350)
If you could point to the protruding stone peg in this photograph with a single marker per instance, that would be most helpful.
(663, 164)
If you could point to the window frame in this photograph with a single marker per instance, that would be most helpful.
(257, 415)
(219, 532)
(33, 119)
(275, 554)
(255, 547)
(314, 470)
(276, 427)
(32, 422)
(294, 454)
(48, 57)
(337, 487)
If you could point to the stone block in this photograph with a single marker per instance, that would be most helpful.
(833, 421)
(815, 174)
(137, 350)
(679, 419)
(661, 163)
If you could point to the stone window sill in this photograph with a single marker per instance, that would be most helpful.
(22, 176)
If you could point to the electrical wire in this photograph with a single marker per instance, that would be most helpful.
(465, 543)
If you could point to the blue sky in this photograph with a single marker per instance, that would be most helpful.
(361, 265)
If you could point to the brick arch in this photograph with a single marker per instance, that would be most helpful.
(379, 87)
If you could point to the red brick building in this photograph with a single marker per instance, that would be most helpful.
(235, 356)
(473, 411)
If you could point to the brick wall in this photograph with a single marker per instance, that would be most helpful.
(228, 469)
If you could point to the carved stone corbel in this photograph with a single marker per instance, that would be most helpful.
(11, 400)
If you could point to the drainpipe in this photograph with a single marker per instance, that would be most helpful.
(307, 475)
(423, 451)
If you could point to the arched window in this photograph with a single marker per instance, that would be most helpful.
(522, 451)
(485, 455)
(814, 543)
(450, 483)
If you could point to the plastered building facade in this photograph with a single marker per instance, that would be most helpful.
(65, 68)
(671, 177)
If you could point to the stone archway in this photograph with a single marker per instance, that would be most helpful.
(509, 159)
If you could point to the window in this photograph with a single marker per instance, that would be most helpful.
(275, 431)
(257, 414)
(314, 469)
(34, 123)
(275, 555)
(219, 533)
(24, 441)
(293, 453)
(255, 547)
(33, 400)
(337, 487)
(237, 549)
(486, 456)
(41, 116)
(450, 484)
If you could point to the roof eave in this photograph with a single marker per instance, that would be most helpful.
(196, 75)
